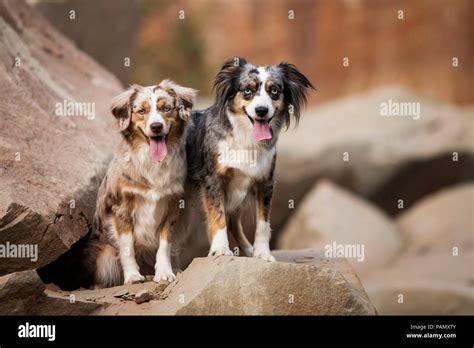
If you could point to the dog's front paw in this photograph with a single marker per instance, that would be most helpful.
(134, 278)
(221, 250)
(263, 255)
(164, 273)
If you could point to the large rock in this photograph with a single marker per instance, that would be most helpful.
(435, 273)
(51, 164)
(301, 283)
(247, 286)
(330, 215)
(389, 157)
(441, 221)
(99, 20)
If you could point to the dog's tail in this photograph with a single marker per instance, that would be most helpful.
(88, 264)
(108, 271)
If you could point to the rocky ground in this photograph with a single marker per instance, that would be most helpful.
(400, 188)
(301, 283)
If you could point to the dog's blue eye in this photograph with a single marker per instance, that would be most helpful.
(248, 91)
(141, 111)
(274, 91)
(166, 109)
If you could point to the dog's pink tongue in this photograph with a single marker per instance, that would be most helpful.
(158, 149)
(261, 130)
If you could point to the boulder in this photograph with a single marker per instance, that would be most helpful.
(92, 27)
(247, 286)
(383, 158)
(433, 284)
(441, 221)
(56, 136)
(23, 293)
(303, 282)
(435, 272)
(330, 218)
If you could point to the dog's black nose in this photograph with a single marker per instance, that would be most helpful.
(261, 111)
(156, 127)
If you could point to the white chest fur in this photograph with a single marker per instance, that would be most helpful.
(166, 178)
(252, 161)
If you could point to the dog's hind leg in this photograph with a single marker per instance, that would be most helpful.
(237, 231)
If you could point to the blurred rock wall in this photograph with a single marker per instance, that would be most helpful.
(106, 30)
(188, 40)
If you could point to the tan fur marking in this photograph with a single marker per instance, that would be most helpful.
(268, 84)
(215, 215)
(170, 223)
(161, 103)
(126, 186)
(123, 213)
(263, 213)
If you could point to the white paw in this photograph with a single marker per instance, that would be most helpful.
(133, 278)
(164, 274)
(264, 255)
(222, 250)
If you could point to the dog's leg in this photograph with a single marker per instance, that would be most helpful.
(263, 232)
(163, 268)
(121, 226)
(213, 202)
(236, 229)
(131, 271)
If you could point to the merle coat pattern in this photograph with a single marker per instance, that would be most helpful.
(253, 103)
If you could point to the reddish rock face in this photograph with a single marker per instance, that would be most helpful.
(52, 155)
(415, 51)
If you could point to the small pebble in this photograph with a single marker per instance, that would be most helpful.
(143, 296)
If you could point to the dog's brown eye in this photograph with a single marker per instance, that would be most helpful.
(167, 108)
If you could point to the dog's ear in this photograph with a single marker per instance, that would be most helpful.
(121, 107)
(295, 91)
(225, 82)
(185, 97)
